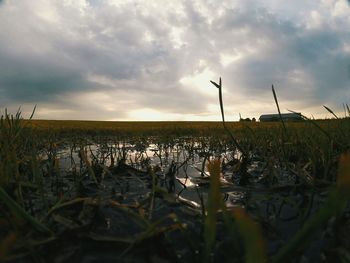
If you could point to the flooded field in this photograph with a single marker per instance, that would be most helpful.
(174, 198)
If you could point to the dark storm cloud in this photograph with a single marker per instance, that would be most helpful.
(37, 81)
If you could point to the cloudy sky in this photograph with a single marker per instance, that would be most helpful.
(152, 60)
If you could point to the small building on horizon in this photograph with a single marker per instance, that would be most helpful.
(285, 116)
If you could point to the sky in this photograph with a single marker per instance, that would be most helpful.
(153, 60)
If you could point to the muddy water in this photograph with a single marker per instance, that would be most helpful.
(280, 208)
(191, 176)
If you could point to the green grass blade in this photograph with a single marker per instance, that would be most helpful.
(335, 203)
(213, 205)
(20, 213)
(254, 244)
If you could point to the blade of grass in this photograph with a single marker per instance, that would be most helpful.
(278, 108)
(328, 109)
(61, 204)
(31, 116)
(88, 165)
(213, 205)
(137, 218)
(253, 242)
(21, 213)
(335, 203)
(151, 205)
(315, 124)
(219, 87)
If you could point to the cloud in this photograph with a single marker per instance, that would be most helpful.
(303, 62)
(104, 59)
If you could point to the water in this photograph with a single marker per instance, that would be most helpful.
(185, 157)
(278, 210)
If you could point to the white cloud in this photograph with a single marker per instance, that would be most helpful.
(341, 9)
(198, 82)
(316, 20)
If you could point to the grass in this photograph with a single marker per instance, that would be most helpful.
(33, 211)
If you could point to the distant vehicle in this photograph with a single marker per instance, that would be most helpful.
(285, 117)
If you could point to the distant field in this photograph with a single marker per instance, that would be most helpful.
(130, 125)
(124, 128)
(154, 127)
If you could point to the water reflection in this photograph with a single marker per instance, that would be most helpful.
(188, 160)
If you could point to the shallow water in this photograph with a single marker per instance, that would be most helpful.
(127, 183)
(189, 164)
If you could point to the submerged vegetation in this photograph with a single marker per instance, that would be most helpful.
(174, 191)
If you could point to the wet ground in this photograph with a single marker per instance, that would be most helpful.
(131, 214)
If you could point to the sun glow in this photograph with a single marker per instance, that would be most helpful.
(200, 81)
(148, 114)
(227, 59)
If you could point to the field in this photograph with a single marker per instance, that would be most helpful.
(138, 128)
(174, 191)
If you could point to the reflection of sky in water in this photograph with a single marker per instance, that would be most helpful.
(189, 163)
